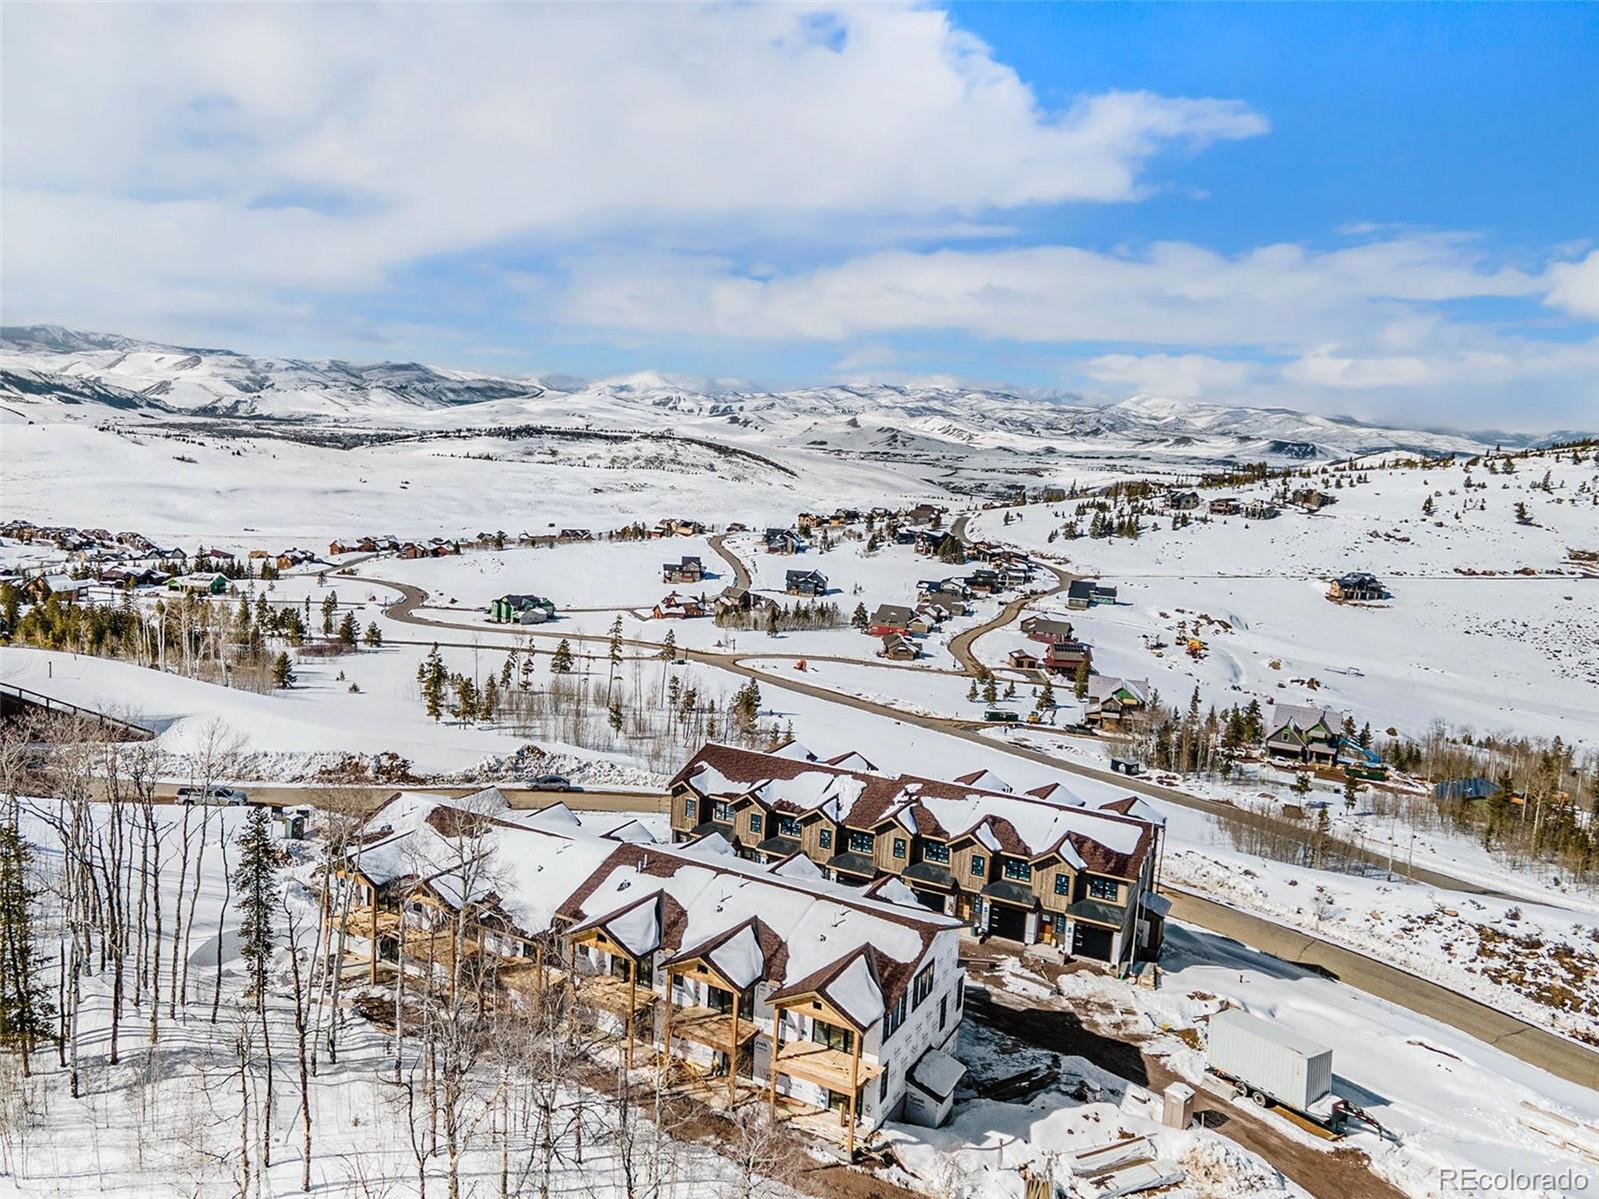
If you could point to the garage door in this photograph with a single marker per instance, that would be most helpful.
(933, 901)
(1007, 921)
(1089, 941)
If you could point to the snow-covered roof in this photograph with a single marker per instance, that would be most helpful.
(937, 1073)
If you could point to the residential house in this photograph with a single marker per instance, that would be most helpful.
(688, 570)
(1036, 867)
(784, 541)
(199, 584)
(898, 648)
(1225, 506)
(1307, 734)
(1357, 585)
(522, 609)
(1116, 703)
(680, 607)
(1085, 593)
(1312, 500)
(1066, 657)
(762, 976)
(805, 582)
(575, 535)
(64, 588)
(891, 618)
(1260, 510)
(1047, 629)
(1183, 501)
(741, 599)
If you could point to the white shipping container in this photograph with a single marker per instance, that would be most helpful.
(1289, 1068)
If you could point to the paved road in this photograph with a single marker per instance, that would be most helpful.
(374, 794)
(741, 573)
(1560, 1057)
(961, 644)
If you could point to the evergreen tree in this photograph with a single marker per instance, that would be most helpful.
(329, 604)
(26, 1011)
(1046, 697)
(433, 679)
(466, 701)
(858, 618)
(1351, 788)
(669, 645)
(1080, 681)
(971, 692)
(489, 704)
(283, 671)
(347, 630)
(615, 713)
(561, 660)
(616, 645)
(374, 636)
(990, 691)
(255, 880)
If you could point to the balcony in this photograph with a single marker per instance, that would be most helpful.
(826, 1067)
(709, 1027)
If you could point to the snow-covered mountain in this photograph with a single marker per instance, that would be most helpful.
(48, 365)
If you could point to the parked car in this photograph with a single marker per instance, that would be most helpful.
(550, 782)
(213, 794)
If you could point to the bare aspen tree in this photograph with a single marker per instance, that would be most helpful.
(294, 936)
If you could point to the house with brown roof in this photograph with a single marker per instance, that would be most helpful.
(762, 974)
(1035, 867)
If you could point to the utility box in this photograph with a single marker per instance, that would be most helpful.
(1178, 1108)
(1269, 1060)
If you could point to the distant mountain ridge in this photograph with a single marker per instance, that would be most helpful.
(41, 364)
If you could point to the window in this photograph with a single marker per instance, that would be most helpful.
(755, 822)
(691, 810)
(787, 826)
(841, 1039)
(943, 1012)
(1017, 869)
(978, 865)
(1104, 888)
(861, 842)
(1063, 884)
(900, 846)
(922, 987)
(824, 838)
(722, 810)
(895, 1016)
(932, 851)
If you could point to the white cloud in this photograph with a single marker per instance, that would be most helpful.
(175, 149)
(1178, 376)
(1282, 298)
(1574, 286)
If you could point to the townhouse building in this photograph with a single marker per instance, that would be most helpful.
(838, 1004)
(1036, 867)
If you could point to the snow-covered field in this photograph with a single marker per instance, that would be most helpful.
(1487, 654)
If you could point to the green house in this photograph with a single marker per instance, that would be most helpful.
(521, 609)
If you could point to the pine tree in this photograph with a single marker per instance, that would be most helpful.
(255, 881)
(561, 660)
(329, 604)
(433, 679)
(466, 701)
(616, 645)
(1046, 697)
(858, 618)
(26, 1011)
(374, 636)
(1080, 680)
(347, 630)
(971, 692)
(283, 671)
(489, 705)
(990, 691)
(669, 645)
(615, 713)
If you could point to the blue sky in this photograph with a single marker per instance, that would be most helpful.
(1386, 210)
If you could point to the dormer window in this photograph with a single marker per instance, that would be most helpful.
(721, 811)
(935, 851)
(1018, 870)
(787, 826)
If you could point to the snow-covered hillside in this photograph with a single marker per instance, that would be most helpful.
(848, 418)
